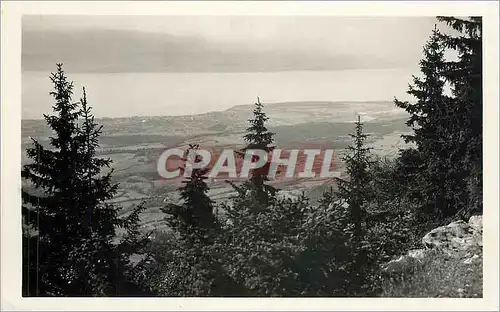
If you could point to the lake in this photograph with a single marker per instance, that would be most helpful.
(150, 94)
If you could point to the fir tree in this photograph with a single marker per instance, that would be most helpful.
(353, 194)
(464, 146)
(55, 173)
(258, 137)
(448, 129)
(113, 259)
(261, 236)
(195, 216)
(338, 259)
(355, 190)
(430, 121)
(188, 258)
(74, 225)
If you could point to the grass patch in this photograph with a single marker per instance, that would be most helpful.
(438, 276)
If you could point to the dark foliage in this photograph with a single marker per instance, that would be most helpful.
(69, 248)
(446, 164)
(263, 243)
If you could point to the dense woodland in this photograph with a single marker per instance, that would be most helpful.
(263, 245)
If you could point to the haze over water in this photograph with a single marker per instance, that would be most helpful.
(178, 65)
(152, 94)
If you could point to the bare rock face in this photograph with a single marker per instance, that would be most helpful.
(458, 240)
(476, 222)
(456, 236)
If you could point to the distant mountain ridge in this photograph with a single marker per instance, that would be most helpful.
(119, 51)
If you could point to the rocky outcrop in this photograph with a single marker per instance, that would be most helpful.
(456, 236)
(458, 240)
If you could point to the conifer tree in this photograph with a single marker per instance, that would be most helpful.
(258, 137)
(261, 236)
(338, 259)
(448, 129)
(465, 142)
(355, 190)
(195, 216)
(74, 226)
(430, 121)
(187, 258)
(353, 194)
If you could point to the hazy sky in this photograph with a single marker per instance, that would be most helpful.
(222, 43)
(171, 65)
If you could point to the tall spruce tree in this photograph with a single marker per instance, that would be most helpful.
(71, 252)
(195, 217)
(448, 129)
(430, 121)
(353, 194)
(188, 258)
(258, 137)
(261, 235)
(465, 143)
(338, 259)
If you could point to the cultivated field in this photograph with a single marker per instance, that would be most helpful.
(134, 144)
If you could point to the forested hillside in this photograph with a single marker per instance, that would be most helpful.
(78, 242)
